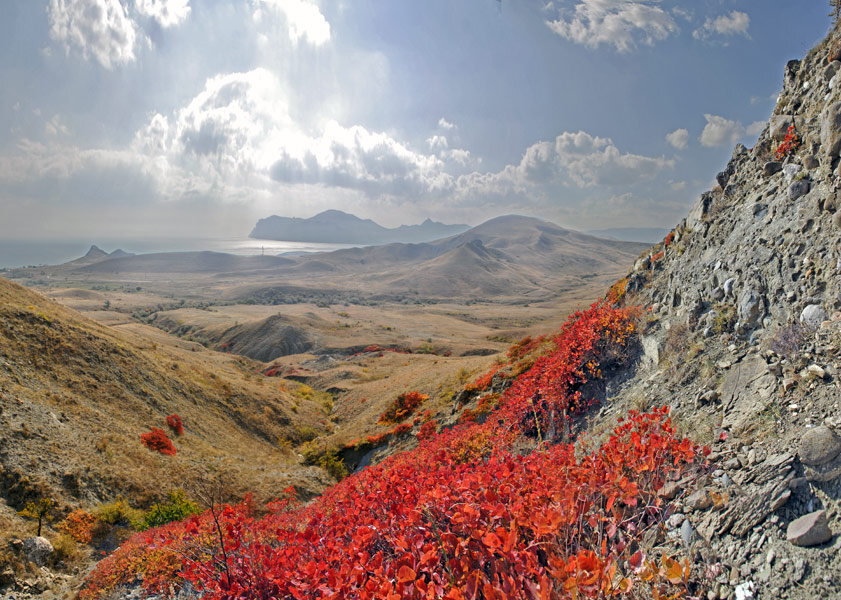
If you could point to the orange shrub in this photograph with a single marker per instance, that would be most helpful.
(403, 406)
(79, 525)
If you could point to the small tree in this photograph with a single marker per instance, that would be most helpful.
(41, 510)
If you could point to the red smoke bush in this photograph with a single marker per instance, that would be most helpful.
(157, 440)
(463, 516)
(175, 424)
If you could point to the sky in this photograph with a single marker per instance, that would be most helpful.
(155, 118)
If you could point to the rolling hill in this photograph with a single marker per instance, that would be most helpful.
(82, 394)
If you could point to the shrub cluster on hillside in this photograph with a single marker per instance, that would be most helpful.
(463, 516)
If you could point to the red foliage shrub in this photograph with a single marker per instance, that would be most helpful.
(427, 430)
(483, 382)
(175, 424)
(462, 516)
(403, 406)
(669, 239)
(401, 429)
(789, 145)
(657, 256)
(157, 440)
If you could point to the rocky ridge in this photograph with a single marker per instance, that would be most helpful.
(741, 336)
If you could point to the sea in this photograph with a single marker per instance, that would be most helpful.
(26, 253)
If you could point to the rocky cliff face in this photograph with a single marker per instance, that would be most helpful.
(742, 337)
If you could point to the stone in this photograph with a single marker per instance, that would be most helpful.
(699, 500)
(778, 126)
(750, 308)
(687, 534)
(809, 530)
(831, 129)
(708, 397)
(791, 170)
(819, 446)
(812, 316)
(675, 520)
(772, 167)
(798, 189)
(669, 491)
(7, 576)
(816, 371)
(37, 550)
(810, 162)
(728, 286)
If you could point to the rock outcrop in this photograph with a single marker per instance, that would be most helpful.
(741, 336)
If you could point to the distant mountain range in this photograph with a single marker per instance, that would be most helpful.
(337, 227)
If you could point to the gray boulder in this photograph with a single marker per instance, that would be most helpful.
(37, 550)
(809, 530)
(798, 189)
(813, 315)
(772, 167)
(750, 308)
(818, 446)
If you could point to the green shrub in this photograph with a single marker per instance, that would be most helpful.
(119, 512)
(177, 508)
(326, 458)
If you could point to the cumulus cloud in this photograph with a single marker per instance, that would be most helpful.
(721, 132)
(679, 138)
(239, 128)
(736, 23)
(304, 19)
(97, 28)
(167, 13)
(445, 124)
(576, 159)
(620, 23)
(438, 142)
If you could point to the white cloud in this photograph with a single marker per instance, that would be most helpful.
(755, 128)
(572, 159)
(445, 124)
(686, 15)
(304, 19)
(438, 142)
(97, 28)
(54, 127)
(679, 138)
(166, 12)
(736, 23)
(238, 129)
(621, 23)
(721, 132)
